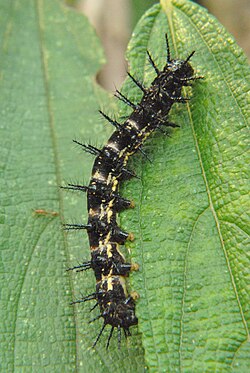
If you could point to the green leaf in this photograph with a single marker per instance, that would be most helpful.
(50, 56)
(190, 219)
(138, 7)
(191, 224)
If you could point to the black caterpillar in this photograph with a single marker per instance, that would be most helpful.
(117, 306)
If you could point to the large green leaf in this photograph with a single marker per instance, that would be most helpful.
(50, 56)
(190, 219)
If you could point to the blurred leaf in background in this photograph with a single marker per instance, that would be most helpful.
(114, 21)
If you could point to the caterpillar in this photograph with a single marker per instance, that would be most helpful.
(116, 304)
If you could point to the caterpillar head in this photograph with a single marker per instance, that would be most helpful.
(181, 69)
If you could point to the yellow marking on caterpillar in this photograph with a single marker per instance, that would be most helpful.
(115, 183)
(110, 283)
(132, 123)
(123, 284)
(109, 250)
(102, 212)
(111, 203)
(112, 145)
(93, 212)
(107, 239)
(122, 152)
(109, 214)
(118, 250)
(98, 176)
(109, 178)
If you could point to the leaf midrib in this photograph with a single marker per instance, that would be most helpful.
(45, 72)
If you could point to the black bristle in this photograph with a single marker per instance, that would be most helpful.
(124, 99)
(85, 299)
(77, 187)
(110, 120)
(168, 49)
(88, 148)
(188, 58)
(99, 335)
(81, 267)
(68, 227)
(144, 154)
(128, 174)
(143, 89)
(152, 63)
